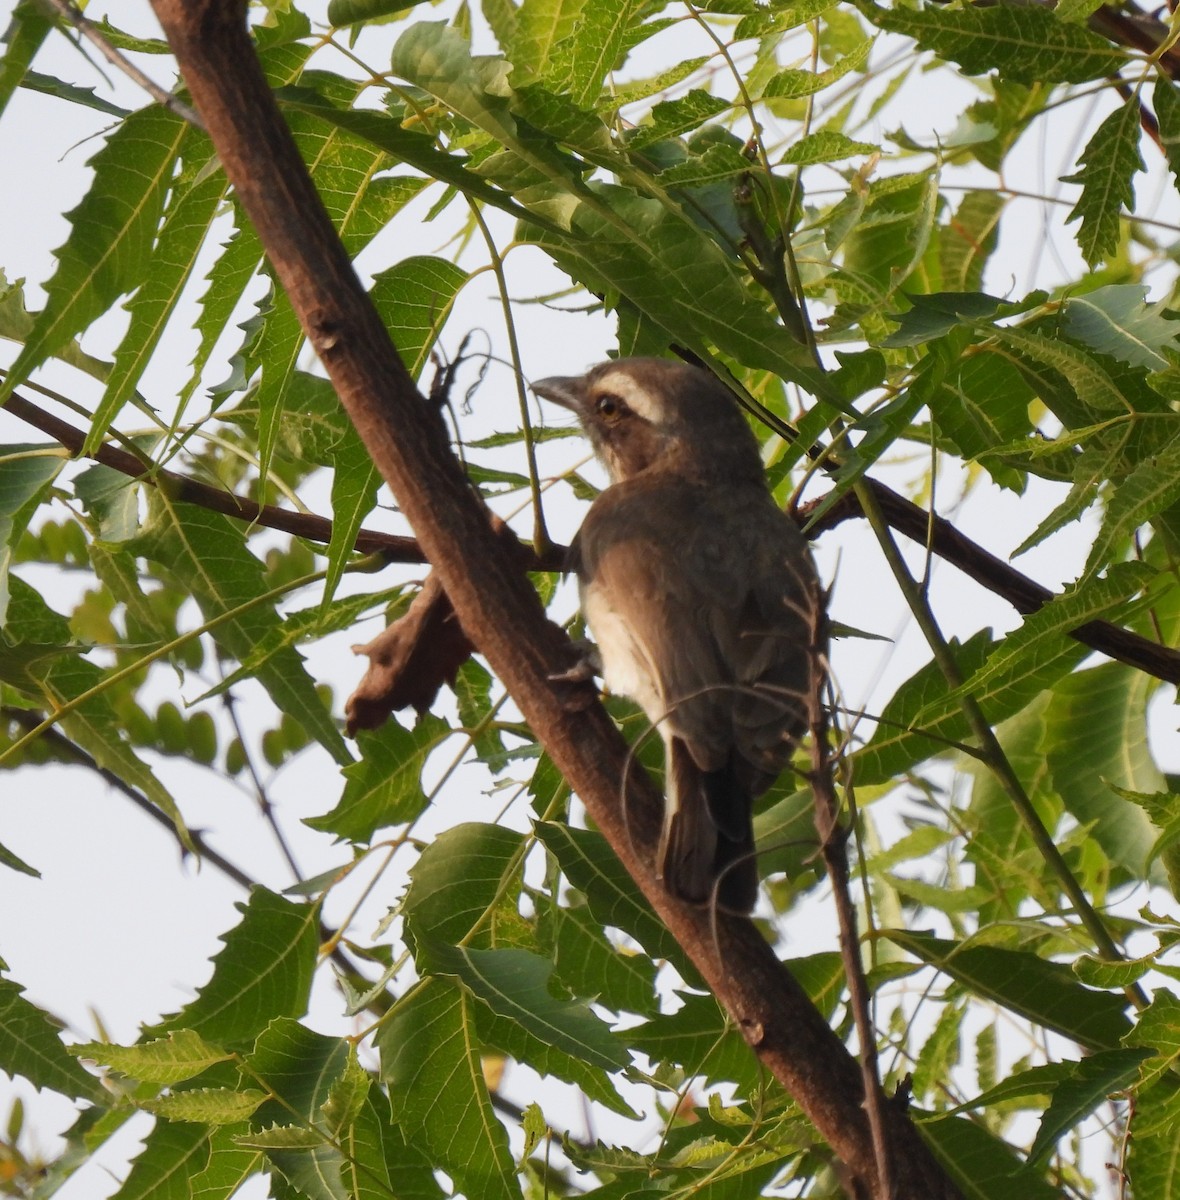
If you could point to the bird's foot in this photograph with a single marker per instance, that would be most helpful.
(578, 688)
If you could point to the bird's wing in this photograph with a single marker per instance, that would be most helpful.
(707, 586)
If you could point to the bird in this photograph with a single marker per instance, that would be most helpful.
(702, 598)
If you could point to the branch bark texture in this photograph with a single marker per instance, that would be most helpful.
(497, 607)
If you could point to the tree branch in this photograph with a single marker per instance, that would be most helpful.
(1023, 593)
(498, 608)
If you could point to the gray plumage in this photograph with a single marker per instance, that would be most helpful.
(701, 596)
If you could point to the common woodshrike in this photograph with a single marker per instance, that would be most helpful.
(702, 597)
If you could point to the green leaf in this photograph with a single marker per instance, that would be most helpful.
(414, 149)
(263, 971)
(1090, 1083)
(300, 1068)
(679, 277)
(187, 219)
(432, 1066)
(385, 786)
(1027, 45)
(229, 1166)
(671, 118)
(50, 85)
(182, 1055)
(983, 404)
(1150, 489)
(1096, 737)
(1117, 320)
(346, 1097)
(458, 879)
(515, 984)
(1028, 650)
(1108, 163)
(31, 1047)
(591, 866)
(1166, 98)
(700, 1039)
(25, 475)
(1158, 1029)
(27, 30)
(172, 1153)
(108, 251)
(983, 1166)
(593, 47)
(968, 240)
(353, 12)
(206, 554)
(824, 146)
(207, 1106)
(792, 83)
(590, 966)
(50, 668)
(1044, 992)
(1090, 381)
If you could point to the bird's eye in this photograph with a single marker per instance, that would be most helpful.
(609, 407)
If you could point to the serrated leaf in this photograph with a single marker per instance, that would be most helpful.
(415, 149)
(515, 984)
(1044, 992)
(299, 1067)
(1117, 320)
(671, 118)
(50, 85)
(108, 249)
(51, 669)
(207, 1106)
(458, 878)
(824, 146)
(792, 84)
(206, 554)
(1166, 97)
(385, 786)
(26, 472)
(700, 1039)
(30, 1046)
(26, 32)
(981, 1164)
(1158, 1029)
(1109, 162)
(172, 1152)
(589, 965)
(183, 1054)
(1091, 382)
(263, 971)
(186, 221)
(591, 866)
(352, 12)
(1027, 45)
(593, 47)
(1147, 490)
(346, 1097)
(1095, 737)
(431, 1063)
(282, 1137)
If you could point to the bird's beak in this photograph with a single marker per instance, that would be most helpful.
(567, 390)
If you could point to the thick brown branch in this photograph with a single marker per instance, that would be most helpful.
(1025, 595)
(492, 597)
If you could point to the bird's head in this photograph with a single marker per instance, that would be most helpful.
(651, 414)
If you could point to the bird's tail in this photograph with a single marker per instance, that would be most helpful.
(708, 835)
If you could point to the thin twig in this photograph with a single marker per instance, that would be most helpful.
(833, 839)
(90, 31)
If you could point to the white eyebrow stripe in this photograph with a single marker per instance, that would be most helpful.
(636, 397)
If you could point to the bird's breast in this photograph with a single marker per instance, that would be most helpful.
(626, 667)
